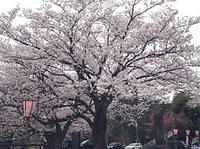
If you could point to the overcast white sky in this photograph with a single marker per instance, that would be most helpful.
(185, 7)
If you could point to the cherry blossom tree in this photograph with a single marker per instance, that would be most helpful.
(13, 127)
(83, 55)
(49, 122)
(127, 112)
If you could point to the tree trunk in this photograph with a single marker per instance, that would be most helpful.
(158, 128)
(99, 127)
(54, 141)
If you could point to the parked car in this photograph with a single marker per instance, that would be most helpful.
(134, 146)
(179, 144)
(67, 144)
(195, 147)
(115, 145)
(87, 144)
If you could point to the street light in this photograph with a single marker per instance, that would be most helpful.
(175, 133)
(187, 137)
(197, 134)
(28, 109)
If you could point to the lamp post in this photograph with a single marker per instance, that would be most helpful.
(28, 108)
(175, 134)
(197, 135)
(187, 137)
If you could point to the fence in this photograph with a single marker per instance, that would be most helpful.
(22, 146)
(157, 147)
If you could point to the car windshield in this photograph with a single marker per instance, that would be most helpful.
(134, 144)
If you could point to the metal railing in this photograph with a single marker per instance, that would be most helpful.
(22, 146)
